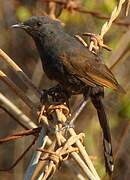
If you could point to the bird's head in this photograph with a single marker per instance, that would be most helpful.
(40, 26)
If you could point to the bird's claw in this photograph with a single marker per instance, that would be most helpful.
(55, 94)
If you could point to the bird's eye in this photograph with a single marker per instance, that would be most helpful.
(39, 23)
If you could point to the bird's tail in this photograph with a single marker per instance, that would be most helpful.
(108, 155)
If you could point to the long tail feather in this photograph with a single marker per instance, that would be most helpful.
(98, 104)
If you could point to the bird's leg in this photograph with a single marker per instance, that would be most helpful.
(98, 104)
(87, 92)
(59, 94)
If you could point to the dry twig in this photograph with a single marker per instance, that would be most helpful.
(18, 135)
(115, 13)
(42, 140)
(80, 9)
(63, 146)
(96, 40)
(24, 78)
(127, 7)
(17, 90)
(17, 113)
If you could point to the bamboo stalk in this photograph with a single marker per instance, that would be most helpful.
(19, 72)
(16, 112)
(42, 140)
(17, 90)
(86, 166)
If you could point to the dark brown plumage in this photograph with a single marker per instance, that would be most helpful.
(65, 59)
(74, 67)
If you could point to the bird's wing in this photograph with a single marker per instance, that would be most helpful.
(91, 70)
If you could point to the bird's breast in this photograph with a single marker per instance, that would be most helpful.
(53, 68)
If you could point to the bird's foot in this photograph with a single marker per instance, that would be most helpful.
(56, 94)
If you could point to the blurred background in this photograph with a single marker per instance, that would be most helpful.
(82, 16)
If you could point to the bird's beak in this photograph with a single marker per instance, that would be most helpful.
(20, 25)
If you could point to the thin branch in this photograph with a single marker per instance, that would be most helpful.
(42, 140)
(122, 45)
(58, 116)
(24, 78)
(84, 154)
(83, 166)
(75, 170)
(127, 7)
(14, 118)
(18, 135)
(17, 90)
(93, 13)
(39, 170)
(78, 110)
(114, 15)
(89, 170)
(123, 56)
(20, 157)
(16, 112)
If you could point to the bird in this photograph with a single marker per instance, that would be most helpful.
(74, 67)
